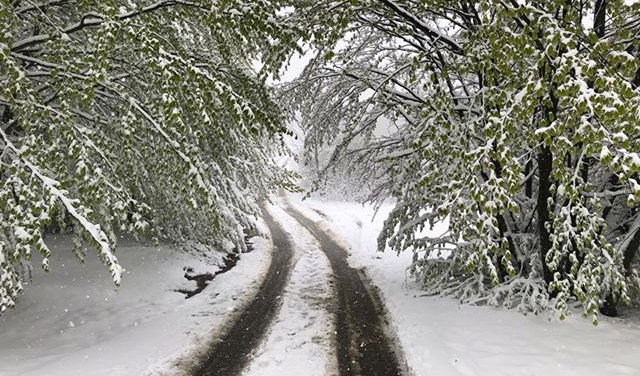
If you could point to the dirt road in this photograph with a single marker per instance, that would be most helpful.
(363, 344)
(364, 347)
(230, 353)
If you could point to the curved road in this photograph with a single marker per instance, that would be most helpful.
(363, 345)
(364, 348)
(230, 353)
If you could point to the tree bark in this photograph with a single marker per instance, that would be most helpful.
(631, 251)
(545, 163)
(528, 185)
(599, 21)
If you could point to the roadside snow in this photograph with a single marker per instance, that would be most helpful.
(441, 337)
(300, 342)
(73, 321)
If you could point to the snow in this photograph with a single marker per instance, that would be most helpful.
(74, 321)
(300, 340)
(441, 337)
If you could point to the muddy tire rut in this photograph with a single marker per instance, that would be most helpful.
(365, 346)
(229, 354)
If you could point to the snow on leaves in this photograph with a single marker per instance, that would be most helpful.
(515, 121)
(133, 117)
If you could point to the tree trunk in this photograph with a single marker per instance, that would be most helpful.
(599, 20)
(528, 185)
(544, 193)
(609, 307)
(631, 251)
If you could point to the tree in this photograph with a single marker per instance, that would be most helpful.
(515, 120)
(140, 117)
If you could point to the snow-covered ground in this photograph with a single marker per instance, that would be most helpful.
(441, 337)
(300, 341)
(73, 321)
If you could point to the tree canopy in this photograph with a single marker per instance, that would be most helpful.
(140, 117)
(516, 121)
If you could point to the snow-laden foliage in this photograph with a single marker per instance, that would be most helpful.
(331, 179)
(140, 117)
(515, 120)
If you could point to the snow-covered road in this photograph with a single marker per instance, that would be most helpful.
(365, 345)
(327, 308)
(301, 339)
(229, 352)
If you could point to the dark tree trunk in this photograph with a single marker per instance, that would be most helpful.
(609, 307)
(545, 164)
(599, 20)
(528, 185)
(631, 252)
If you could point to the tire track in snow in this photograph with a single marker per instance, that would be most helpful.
(301, 339)
(230, 353)
(363, 346)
